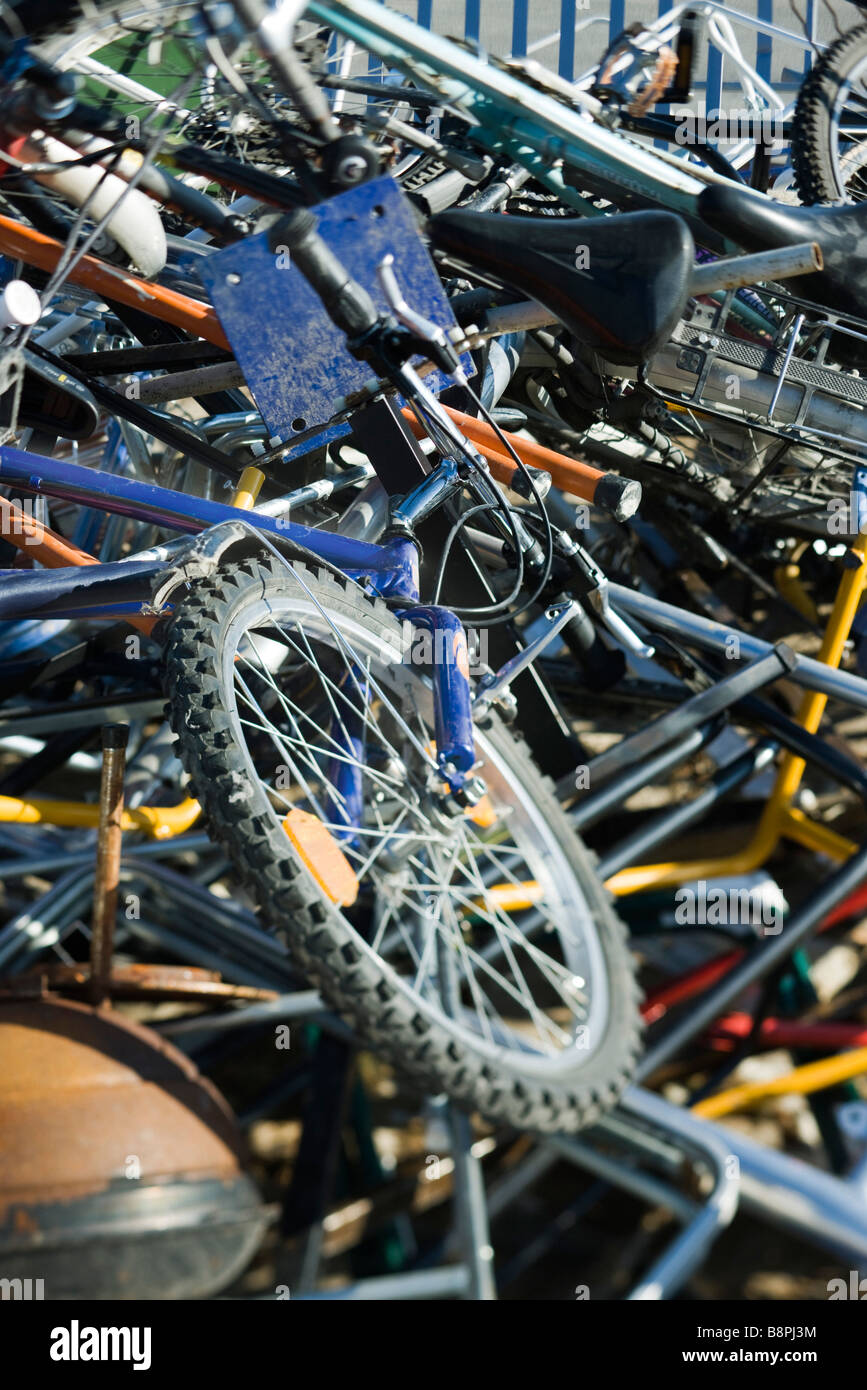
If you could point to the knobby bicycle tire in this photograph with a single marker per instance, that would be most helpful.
(354, 980)
(815, 156)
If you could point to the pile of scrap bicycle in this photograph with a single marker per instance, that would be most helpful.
(433, 662)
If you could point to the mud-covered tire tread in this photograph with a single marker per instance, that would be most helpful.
(317, 935)
(812, 136)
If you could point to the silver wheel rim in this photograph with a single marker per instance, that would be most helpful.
(414, 915)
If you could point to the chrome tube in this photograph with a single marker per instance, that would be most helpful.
(687, 1252)
(759, 394)
(737, 272)
(639, 1113)
(786, 1192)
(715, 637)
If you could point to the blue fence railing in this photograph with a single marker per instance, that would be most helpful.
(567, 24)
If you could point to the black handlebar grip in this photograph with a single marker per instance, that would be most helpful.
(619, 496)
(347, 303)
(492, 197)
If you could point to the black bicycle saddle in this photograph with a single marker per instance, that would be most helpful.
(619, 284)
(757, 223)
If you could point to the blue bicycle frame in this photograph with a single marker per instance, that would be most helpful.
(119, 589)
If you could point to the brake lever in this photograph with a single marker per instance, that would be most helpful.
(428, 334)
(597, 596)
(617, 626)
(495, 686)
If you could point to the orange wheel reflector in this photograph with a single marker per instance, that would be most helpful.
(323, 856)
(483, 813)
(513, 897)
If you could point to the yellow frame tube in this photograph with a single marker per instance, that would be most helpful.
(779, 818)
(815, 1076)
(160, 822)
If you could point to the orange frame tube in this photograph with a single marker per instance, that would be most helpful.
(579, 479)
(34, 248)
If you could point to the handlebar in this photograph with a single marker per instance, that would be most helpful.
(347, 303)
(351, 309)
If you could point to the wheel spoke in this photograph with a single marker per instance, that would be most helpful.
(435, 886)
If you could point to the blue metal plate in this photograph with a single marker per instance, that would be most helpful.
(294, 360)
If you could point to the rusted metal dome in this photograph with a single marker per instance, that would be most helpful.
(120, 1166)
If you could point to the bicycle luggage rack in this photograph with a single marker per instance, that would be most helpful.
(699, 369)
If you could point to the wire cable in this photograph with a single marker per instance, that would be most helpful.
(489, 616)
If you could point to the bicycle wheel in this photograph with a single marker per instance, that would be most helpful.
(830, 125)
(135, 53)
(478, 951)
(139, 57)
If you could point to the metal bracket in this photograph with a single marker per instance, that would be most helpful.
(494, 685)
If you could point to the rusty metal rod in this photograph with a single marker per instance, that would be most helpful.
(108, 850)
(739, 271)
(199, 381)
